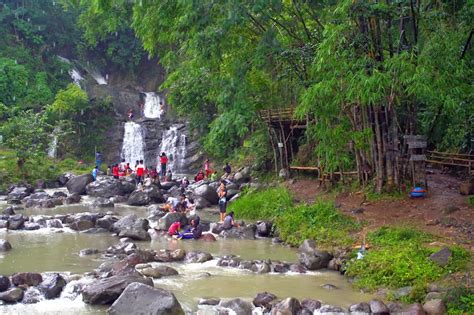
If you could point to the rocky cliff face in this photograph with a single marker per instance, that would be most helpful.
(163, 132)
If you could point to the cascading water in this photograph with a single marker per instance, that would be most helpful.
(53, 145)
(133, 143)
(76, 77)
(98, 77)
(152, 108)
(174, 145)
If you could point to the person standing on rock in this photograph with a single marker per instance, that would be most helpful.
(115, 171)
(95, 171)
(207, 168)
(123, 166)
(140, 172)
(98, 159)
(163, 163)
(227, 170)
(222, 194)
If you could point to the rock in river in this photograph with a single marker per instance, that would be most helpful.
(4, 283)
(106, 291)
(52, 285)
(105, 187)
(11, 296)
(27, 278)
(5, 245)
(287, 306)
(139, 298)
(77, 184)
(239, 306)
(133, 227)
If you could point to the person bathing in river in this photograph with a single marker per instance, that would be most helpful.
(195, 232)
(229, 221)
(174, 228)
(222, 194)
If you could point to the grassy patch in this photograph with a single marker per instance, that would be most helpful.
(36, 168)
(460, 301)
(266, 204)
(320, 222)
(398, 258)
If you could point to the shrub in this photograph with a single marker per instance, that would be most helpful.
(265, 204)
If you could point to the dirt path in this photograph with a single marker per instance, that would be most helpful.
(444, 212)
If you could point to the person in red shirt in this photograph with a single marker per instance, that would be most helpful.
(115, 171)
(140, 172)
(199, 176)
(174, 228)
(207, 168)
(163, 163)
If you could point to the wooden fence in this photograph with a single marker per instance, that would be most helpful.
(452, 159)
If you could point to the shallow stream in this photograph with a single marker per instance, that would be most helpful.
(52, 250)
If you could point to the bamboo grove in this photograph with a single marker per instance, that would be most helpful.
(366, 72)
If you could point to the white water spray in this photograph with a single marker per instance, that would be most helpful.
(53, 144)
(133, 143)
(152, 107)
(76, 77)
(174, 145)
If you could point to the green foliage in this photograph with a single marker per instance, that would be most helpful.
(460, 301)
(68, 103)
(398, 258)
(265, 204)
(320, 222)
(295, 223)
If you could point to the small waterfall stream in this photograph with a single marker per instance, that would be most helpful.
(133, 143)
(53, 144)
(76, 76)
(152, 108)
(174, 145)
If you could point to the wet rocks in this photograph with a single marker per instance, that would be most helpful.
(330, 309)
(16, 222)
(209, 301)
(52, 285)
(105, 187)
(139, 298)
(150, 272)
(166, 255)
(106, 291)
(8, 211)
(82, 224)
(20, 192)
(207, 192)
(197, 257)
(102, 203)
(32, 295)
(239, 306)
(78, 184)
(329, 286)
(26, 278)
(287, 306)
(136, 231)
(311, 257)
(4, 283)
(157, 271)
(378, 307)
(360, 308)
(207, 237)
(244, 232)
(12, 295)
(264, 300)
(165, 222)
(442, 256)
(54, 223)
(88, 251)
(5, 245)
(106, 222)
(72, 199)
(310, 305)
(264, 228)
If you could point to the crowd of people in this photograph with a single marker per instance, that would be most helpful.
(149, 175)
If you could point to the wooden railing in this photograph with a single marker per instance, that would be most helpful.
(452, 159)
(278, 114)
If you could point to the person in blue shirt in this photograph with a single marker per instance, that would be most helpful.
(95, 171)
(98, 159)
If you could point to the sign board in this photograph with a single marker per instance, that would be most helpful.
(418, 157)
(419, 144)
(280, 145)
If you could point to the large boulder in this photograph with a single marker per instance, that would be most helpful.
(19, 192)
(287, 306)
(138, 198)
(378, 307)
(244, 232)
(154, 193)
(81, 225)
(137, 231)
(11, 296)
(165, 222)
(311, 305)
(5, 245)
(105, 187)
(27, 278)
(102, 202)
(435, 307)
(73, 198)
(16, 222)
(52, 285)
(106, 291)
(239, 306)
(197, 257)
(264, 228)
(78, 184)
(264, 300)
(360, 308)
(106, 222)
(311, 257)
(4, 283)
(208, 193)
(139, 298)
(442, 256)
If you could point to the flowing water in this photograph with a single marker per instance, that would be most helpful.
(76, 77)
(133, 143)
(152, 108)
(174, 145)
(53, 144)
(47, 250)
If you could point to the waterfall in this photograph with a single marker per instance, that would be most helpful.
(76, 76)
(152, 105)
(53, 144)
(98, 77)
(133, 143)
(174, 145)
